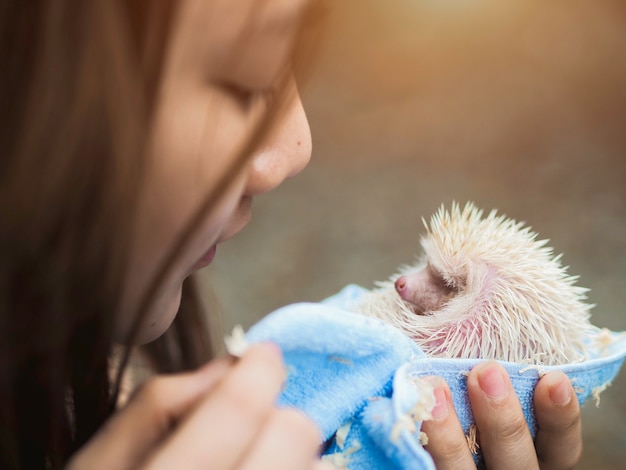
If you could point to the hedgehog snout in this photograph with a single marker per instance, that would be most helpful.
(425, 291)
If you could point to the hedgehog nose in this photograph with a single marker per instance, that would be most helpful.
(400, 284)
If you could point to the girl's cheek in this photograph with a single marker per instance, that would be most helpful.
(227, 216)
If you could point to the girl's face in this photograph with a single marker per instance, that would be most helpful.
(223, 61)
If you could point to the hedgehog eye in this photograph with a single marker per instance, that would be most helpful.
(459, 284)
(440, 281)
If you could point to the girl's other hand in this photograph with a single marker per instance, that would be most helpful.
(503, 435)
(221, 416)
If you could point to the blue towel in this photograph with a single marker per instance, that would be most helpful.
(358, 379)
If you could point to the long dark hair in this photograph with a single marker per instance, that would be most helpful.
(75, 95)
(77, 86)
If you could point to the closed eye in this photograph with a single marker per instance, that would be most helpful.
(450, 286)
(248, 97)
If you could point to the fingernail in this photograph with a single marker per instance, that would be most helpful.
(324, 465)
(492, 381)
(440, 409)
(441, 404)
(559, 389)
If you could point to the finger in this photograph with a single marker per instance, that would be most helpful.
(323, 465)
(447, 443)
(289, 441)
(130, 434)
(226, 423)
(504, 436)
(559, 439)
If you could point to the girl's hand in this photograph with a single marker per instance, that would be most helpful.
(222, 416)
(503, 435)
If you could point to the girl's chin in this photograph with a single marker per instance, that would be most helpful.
(163, 314)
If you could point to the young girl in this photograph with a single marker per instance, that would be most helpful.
(136, 134)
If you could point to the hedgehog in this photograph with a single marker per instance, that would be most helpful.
(485, 287)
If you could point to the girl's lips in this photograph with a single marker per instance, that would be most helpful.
(206, 259)
(240, 220)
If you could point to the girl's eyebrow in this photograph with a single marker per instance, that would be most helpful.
(262, 55)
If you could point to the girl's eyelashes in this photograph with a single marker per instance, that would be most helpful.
(248, 97)
(243, 96)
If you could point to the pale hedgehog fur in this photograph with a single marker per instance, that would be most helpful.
(514, 300)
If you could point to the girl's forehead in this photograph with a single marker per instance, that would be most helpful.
(237, 39)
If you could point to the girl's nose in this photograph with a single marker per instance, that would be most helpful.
(286, 151)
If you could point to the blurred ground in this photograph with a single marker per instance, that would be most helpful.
(519, 106)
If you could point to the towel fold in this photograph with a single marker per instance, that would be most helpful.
(358, 378)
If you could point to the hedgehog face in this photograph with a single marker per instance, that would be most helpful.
(426, 289)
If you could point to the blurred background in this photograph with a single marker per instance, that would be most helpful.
(517, 106)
